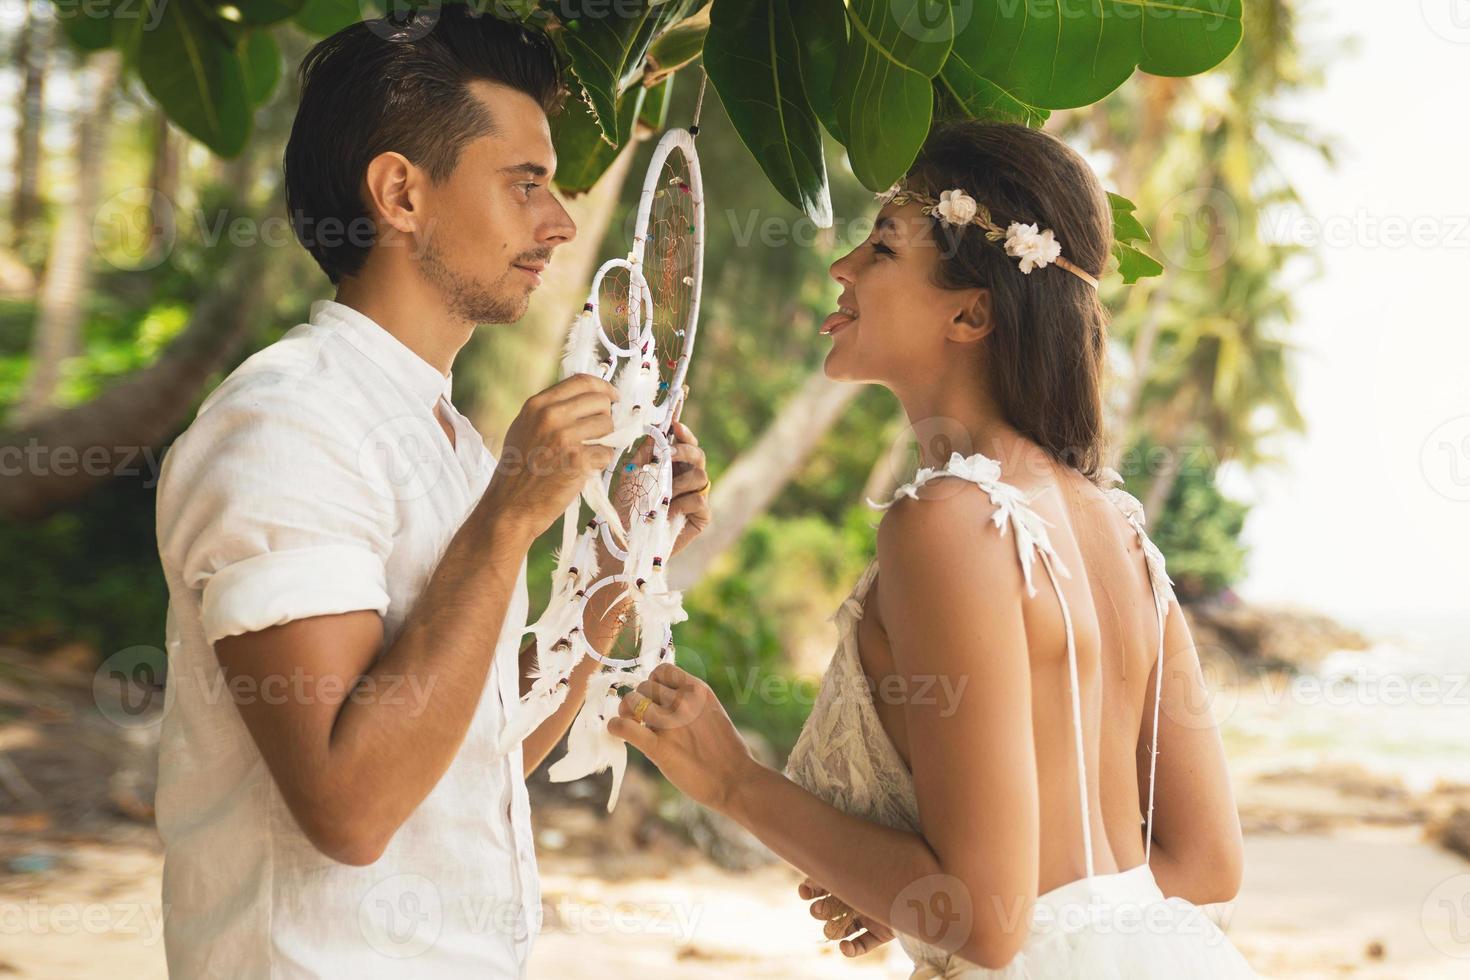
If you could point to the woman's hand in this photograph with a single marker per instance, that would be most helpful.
(686, 733)
(859, 934)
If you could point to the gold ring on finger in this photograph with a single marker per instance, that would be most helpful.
(641, 707)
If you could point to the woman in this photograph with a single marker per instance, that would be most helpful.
(978, 771)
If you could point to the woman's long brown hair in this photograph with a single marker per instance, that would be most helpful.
(1044, 358)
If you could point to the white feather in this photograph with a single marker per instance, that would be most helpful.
(596, 496)
(637, 385)
(580, 354)
(590, 747)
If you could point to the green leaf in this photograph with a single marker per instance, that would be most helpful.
(606, 43)
(883, 96)
(583, 154)
(88, 24)
(324, 17)
(751, 57)
(261, 59)
(1133, 264)
(965, 93)
(259, 12)
(1060, 54)
(821, 30)
(655, 111)
(196, 76)
(676, 47)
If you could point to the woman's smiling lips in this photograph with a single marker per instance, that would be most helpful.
(837, 320)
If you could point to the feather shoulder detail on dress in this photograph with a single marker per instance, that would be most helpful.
(1013, 510)
(1132, 509)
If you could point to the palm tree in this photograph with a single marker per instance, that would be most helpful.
(67, 279)
(1207, 362)
(32, 48)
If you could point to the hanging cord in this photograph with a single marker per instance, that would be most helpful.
(699, 102)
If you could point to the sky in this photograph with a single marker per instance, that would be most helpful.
(1370, 517)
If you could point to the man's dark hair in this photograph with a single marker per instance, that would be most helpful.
(373, 88)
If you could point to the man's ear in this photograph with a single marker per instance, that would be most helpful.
(973, 320)
(392, 189)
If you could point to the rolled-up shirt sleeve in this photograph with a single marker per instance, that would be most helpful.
(271, 508)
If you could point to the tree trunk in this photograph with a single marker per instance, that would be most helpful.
(884, 477)
(163, 180)
(66, 454)
(748, 486)
(67, 278)
(508, 363)
(31, 50)
(1157, 495)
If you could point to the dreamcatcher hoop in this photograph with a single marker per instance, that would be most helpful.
(648, 407)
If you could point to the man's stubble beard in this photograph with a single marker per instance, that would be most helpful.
(468, 299)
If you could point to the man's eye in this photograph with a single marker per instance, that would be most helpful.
(529, 186)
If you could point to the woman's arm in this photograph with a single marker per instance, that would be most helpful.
(1197, 852)
(952, 607)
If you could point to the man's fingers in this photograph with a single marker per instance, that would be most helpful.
(809, 890)
(693, 506)
(690, 481)
(579, 384)
(684, 434)
(689, 454)
(586, 405)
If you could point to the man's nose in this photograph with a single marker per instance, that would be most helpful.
(562, 228)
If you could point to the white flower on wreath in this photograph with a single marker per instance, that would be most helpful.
(1034, 248)
(956, 207)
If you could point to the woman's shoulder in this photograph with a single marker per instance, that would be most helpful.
(965, 516)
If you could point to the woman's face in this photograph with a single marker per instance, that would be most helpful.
(893, 325)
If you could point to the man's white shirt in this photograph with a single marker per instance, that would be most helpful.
(315, 480)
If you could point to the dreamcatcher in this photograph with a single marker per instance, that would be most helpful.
(637, 331)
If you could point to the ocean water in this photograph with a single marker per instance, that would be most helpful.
(1399, 708)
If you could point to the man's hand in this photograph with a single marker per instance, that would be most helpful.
(858, 934)
(545, 462)
(690, 478)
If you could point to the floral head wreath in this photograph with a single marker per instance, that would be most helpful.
(1034, 248)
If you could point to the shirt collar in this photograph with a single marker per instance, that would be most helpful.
(389, 353)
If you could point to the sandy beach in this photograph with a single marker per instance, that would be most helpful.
(1343, 904)
(1342, 878)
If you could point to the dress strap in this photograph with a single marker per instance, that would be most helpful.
(1014, 514)
(1163, 591)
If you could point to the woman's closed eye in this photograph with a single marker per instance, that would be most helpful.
(882, 249)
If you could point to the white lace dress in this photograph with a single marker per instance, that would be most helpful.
(1116, 926)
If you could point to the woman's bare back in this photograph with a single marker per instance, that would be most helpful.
(1116, 631)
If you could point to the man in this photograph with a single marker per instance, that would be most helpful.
(347, 563)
